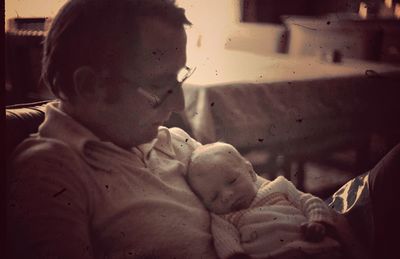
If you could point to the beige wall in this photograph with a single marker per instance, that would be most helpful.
(32, 8)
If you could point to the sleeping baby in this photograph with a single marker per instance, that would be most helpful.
(256, 218)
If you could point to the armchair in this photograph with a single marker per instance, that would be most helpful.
(22, 120)
(351, 200)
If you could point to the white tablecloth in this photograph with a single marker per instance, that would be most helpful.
(251, 100)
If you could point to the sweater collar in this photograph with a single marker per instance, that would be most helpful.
(59, 125)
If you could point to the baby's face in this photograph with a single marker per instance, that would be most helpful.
(225, 187)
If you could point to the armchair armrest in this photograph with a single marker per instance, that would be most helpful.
(353, 201)
(22, 120)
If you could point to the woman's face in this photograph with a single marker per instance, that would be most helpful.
(224, 186)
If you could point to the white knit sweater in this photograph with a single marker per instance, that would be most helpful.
(271, 225)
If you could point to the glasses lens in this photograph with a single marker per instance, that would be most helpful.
(185, 73)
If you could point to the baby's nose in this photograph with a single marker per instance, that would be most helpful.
(227, 195)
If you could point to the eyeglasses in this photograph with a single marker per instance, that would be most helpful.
(157, 100)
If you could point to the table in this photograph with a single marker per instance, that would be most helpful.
(287, 104)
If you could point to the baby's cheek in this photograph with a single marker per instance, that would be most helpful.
(251, 190)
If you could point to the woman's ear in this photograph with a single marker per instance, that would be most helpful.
(86, 84)
(251, 171)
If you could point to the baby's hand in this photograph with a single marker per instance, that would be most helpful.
(313, 231)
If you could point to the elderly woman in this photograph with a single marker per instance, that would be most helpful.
(101, 178)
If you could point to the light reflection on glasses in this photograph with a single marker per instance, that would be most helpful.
(157, 100)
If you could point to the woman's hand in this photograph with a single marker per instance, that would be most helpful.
(313, 231)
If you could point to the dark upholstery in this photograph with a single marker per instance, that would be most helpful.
(22, 120)
(353, 200)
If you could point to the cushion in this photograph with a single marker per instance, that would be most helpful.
(21, 121)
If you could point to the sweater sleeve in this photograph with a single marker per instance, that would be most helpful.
(312, 207)
(48, 216)
(226, 237)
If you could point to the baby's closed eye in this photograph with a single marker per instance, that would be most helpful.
(233, 180)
